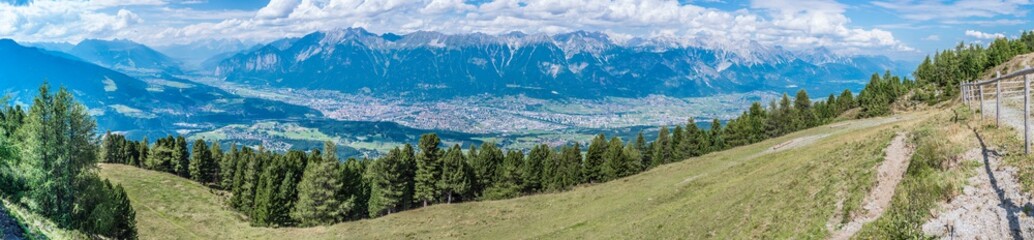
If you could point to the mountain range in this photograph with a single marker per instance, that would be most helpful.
(577, 64)
(156, 105)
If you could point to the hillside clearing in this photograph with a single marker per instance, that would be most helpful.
(737, 193)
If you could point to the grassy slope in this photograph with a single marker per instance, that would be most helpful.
(739, 193)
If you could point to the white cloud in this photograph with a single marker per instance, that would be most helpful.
(54, 20)
(278, 8)
(932, 38)
(791, 24)
(940, 10)
(983, 35)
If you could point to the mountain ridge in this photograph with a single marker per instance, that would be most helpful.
(577, 64)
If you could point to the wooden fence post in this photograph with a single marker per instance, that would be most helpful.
(1026, 113)
(998, 100)
(981, 99)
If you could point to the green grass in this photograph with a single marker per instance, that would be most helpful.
(738, 193)
(934, 176)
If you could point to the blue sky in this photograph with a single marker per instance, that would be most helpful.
(898, 28)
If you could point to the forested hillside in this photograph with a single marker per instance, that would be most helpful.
(48, 164)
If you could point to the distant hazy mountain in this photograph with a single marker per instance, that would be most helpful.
(577, 64)
(124, 55)
(195, 55)
(120, 102)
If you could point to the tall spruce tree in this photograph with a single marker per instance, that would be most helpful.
(486, 166)
(428, 169)
(181, 158)
(455, 180)
(409, 167)
(569, 170)
(318, 201)
(661, 148)
(200, 158)
(388, 184)
(57, 147)
(593, 167)
(507, 183)
(533, 170)
(615, 164)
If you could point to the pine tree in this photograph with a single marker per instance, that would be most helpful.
(144, 152)
(181, 158)
(644, 150)
(615, 163)
(428, 169)
(508, 179)
(454, 179)
(486, 167)
(661, 148)
(125, 216)
(388, 184)
(690, 145)
(355, 188)
(677, 137)
(802, 107)
(318, 203)
(215, 172)
(229, 167)
(200, 158)
(533, 170)
(592, 168)
(408, 172)
(569, 169)
(717, 140)
(56, 147)
(632, 163)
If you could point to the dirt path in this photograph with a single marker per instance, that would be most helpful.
(889, 174)
(990, 207)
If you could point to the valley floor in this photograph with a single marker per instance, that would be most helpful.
(780, 188)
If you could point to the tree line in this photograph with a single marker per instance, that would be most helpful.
(941, 74)
(48, 158)
(299, 188)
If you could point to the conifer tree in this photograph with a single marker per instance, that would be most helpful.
(388, 184)
(454, 179)
(507, 183)
(533, 170)
(644, 150)
(355, 188)
(633, 164)
(486, 166)
(215, 170)
(318, 202)
(717, 140)
(615, 164)
(569, 171)
(181, 158)
(677, 137)
(428, 169)
(56, 147)
(200, 160)
(661, 148)
(408, 171)
(592, 168)
(125, 216)
(229, 166)
(144, 151)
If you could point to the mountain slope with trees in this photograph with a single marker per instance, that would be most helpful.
(727, 187)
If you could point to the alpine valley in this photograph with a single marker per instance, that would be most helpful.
(368, 92)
